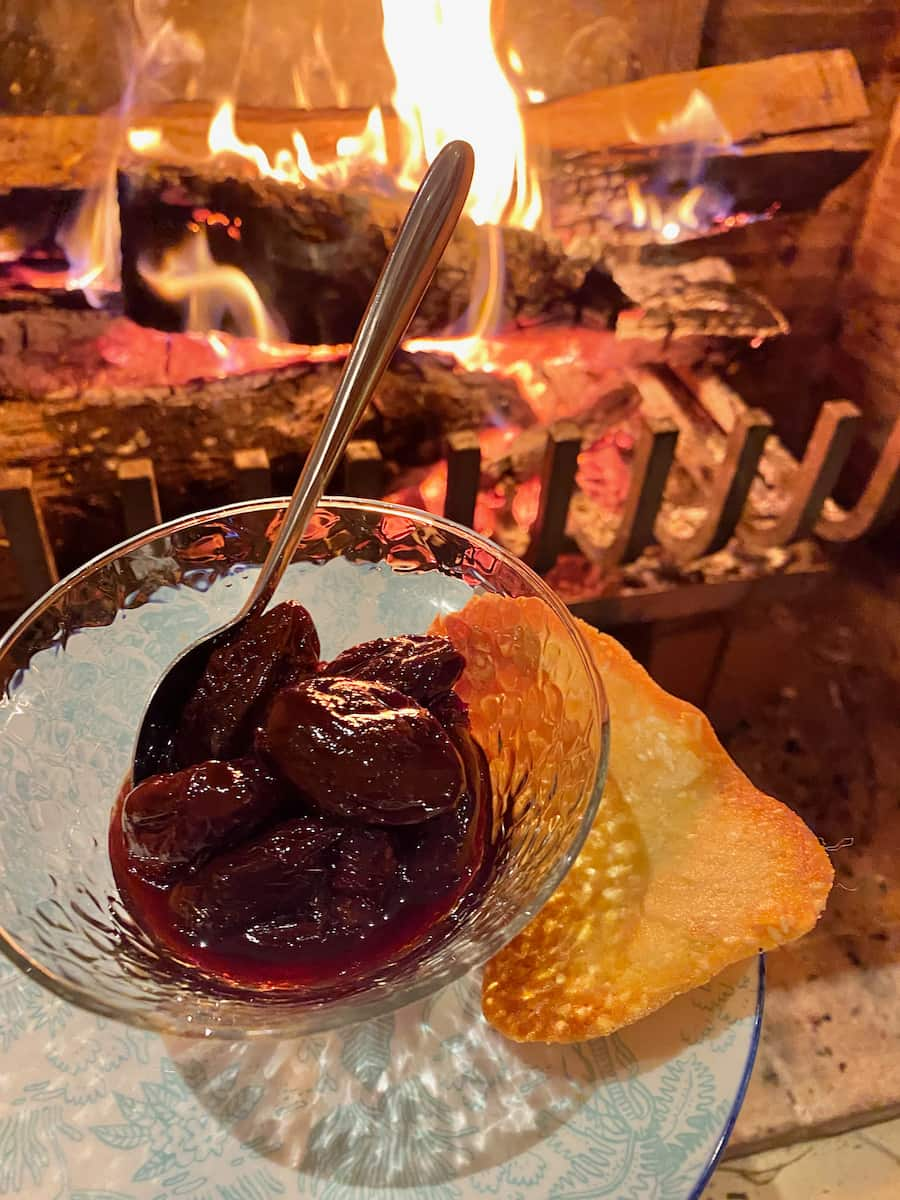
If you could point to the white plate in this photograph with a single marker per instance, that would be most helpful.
(426, 1104)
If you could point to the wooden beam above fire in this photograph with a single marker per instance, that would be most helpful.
(772, 98)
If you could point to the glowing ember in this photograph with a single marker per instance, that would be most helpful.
(604, 472)
(205, 216)
(433, 488)
(430, 493)
(561, 371)
(189, 275)
(12, 245)
(479, 353)
(604, 475)
(92, 243)
(526, 503)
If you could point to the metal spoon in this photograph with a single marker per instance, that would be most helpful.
(422, 239)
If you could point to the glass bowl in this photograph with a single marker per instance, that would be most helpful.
(80, 665)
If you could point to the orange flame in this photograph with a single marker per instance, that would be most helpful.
(12, 244)
(477, 352)
(222, 138)
(189, 275)
(371, 146)
(693, 133)
(92, 243)
(449, 84)
(514, 58)
(297, 165)
(670, 218)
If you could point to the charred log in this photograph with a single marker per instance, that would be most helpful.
(314, 255)
(82, 394)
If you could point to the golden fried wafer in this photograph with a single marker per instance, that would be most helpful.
(688, 867)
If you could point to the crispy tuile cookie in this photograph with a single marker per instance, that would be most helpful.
(688, 868)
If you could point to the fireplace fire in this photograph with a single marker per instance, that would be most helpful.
(622, 371)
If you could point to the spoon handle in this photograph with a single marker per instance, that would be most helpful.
(423, 237)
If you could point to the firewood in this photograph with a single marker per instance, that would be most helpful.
(699, 298)
(753, 100)
(589, 195)
(83, 394)
(315, 255)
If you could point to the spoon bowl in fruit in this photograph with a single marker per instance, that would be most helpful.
(80, 665)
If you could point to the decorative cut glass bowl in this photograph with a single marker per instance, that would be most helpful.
(79, 667)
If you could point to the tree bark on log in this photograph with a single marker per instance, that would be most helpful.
(753, 100)
(315, 255)
(83, 394)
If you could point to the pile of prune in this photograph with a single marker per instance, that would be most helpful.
(310, 801)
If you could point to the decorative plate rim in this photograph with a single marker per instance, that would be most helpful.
(727, 1129)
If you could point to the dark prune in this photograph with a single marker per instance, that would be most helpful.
(421, 666)
(174, 822)
(452, 712)
(277, 649)
(444, 854)
(356, 914)
(441, 854)
(331, 819)
(361, 749)
(269, 877)
(364, 863)
(310, 924)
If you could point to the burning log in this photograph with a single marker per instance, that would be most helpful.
(314, 256)
(85, 394)
(787, 94)
(597, 199)
(794, 170)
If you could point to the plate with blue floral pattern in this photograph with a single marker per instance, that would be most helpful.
(428, 1103)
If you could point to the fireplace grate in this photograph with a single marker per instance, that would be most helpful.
(807, 511)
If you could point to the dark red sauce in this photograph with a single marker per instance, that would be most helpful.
(348, 830)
